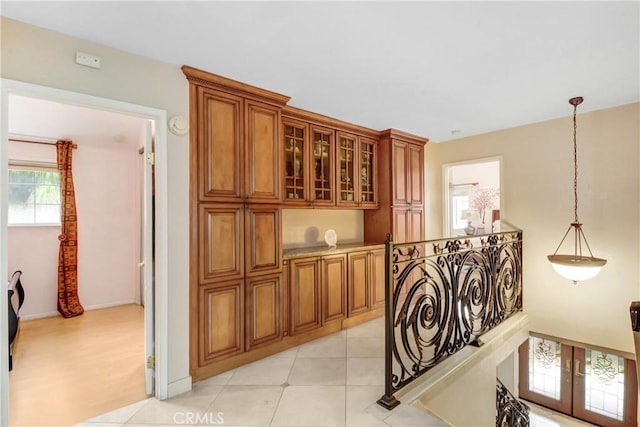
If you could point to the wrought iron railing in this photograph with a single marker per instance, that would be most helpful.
(510, 412)
(443, 295)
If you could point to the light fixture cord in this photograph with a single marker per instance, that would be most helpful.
(575, 164)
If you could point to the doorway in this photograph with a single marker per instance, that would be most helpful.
(472, 199)
(156, 305)
(595, 385)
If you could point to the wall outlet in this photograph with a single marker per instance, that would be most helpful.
(87, 60)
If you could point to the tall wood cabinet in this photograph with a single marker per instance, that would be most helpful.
(401, 189)
(236, 293)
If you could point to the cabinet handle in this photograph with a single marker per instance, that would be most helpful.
(567, 365)
(578, 373)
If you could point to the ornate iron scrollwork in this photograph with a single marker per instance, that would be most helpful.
(510, 412)
(446, 299)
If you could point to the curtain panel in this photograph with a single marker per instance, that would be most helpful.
(68, 301)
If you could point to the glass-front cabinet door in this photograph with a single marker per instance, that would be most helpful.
(368, 172)
(346, 174)
(295, 165)
(323, 170)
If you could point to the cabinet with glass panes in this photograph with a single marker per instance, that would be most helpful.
(356, 176)
(309, 164)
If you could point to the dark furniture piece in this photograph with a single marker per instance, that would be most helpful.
(16, 299)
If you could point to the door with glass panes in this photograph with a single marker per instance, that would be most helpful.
(586, 383)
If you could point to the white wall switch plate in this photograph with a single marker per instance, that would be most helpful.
(87, 59)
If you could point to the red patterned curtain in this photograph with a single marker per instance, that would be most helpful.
(68, 301)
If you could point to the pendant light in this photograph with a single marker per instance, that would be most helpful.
(576, 266)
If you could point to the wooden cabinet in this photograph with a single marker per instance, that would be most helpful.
(264, 310)
(334, 287)
(359, 288)
(366, 281)
(236, 294)
(220, 321)
(401, 190)
(407, 173)
(263, 250)
(305, 298)
(356, 174)
(377, 262)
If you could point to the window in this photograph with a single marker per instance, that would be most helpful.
(459, 203)
(34, 194)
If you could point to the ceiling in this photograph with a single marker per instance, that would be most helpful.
(442, 70)
(39, 119)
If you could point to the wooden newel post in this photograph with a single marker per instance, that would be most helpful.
(388, 401)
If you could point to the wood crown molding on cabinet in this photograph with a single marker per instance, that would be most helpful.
(326, 121)
(398, 134)
(214, 81)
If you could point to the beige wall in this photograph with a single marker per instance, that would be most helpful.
(538, 197)
(42, 57)
(306, 227)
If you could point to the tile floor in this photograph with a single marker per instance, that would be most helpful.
(332, 381)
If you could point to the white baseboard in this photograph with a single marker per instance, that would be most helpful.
(86, 308)
(178, 387)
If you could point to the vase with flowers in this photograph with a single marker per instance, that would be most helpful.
(484, 200)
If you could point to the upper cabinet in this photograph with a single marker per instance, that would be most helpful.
(401, 189)
(328, 162)
(356, 171)
(238, 133)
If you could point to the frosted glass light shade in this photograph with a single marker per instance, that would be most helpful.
(575, 267)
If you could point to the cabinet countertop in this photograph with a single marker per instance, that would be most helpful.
(325, 250)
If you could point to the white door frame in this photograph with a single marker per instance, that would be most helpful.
(13, 87)
(446, 189)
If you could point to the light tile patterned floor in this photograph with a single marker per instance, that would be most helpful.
(332, 381)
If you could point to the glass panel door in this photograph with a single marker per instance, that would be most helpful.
(323, 165)
(545, 373)
(346, 165)
(367, 171)
(294, 162)
(605, 388)
(585, 383)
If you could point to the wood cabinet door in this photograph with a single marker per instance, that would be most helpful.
(368, 173)
(262, 153)
(377, 279)
(220, 321)
(220, 242)
(359, 283)
(296, 160)
(399, 174)
(263, 249)
(334, 287)
(219, 153)
(305, 305)
(401, 231)
(322, 169)
(415, 174)
(416, 224)
(263, 303)
(346, 165)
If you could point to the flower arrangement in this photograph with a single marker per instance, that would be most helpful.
(484, 199)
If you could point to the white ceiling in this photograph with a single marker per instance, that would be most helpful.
(40, 119)
(423, 67)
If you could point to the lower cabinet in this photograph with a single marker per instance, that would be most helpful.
(359, 289)
(264, 310)
(305, 304)
(366, 281)
(221, 322)
(334, 287)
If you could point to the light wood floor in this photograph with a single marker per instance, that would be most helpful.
(69, 370)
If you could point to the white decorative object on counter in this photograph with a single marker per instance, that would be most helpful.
(330, 237)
